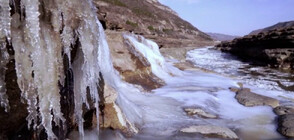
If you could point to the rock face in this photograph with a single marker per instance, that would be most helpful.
(274, 48)
(11, 122)
(152, 20)
(221, 132)
(133, 67)
(248, 98)
(112, 116)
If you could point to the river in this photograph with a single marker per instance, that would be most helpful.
(162, 111)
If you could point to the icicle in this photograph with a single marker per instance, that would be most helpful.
(55, 8)
(46, 58)
(88, 75)
(3, 61)
(49, 89)
(67, 35)
(79, 91)
(5, 21)
(23, 67)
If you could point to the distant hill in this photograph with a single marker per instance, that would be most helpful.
(221, 37)
(274, 27)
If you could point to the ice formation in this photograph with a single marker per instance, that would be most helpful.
(39, 49)
(5, 21)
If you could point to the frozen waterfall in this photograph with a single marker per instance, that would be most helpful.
(40, 43)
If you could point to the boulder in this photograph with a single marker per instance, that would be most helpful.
(199, 112)
(210, 130)
(248, 98)
(286, 125)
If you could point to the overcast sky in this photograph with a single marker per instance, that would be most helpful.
(233, 17)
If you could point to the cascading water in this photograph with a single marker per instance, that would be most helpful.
(44, 32)
(150, 51)
(162, 112)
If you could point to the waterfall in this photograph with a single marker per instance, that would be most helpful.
(150, 51)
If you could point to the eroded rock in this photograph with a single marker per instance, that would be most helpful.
(248, 98)
(210, 130)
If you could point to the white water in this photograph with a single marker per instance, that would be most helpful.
(150, 51)
(224, 63)
(263, 80)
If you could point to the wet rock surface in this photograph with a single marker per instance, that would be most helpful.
(274, 48)
(199, 112)
(282, 110)
(286, 125)
(211, 131)
(112, 116)
(11, 122)
(133, 67)
(248, 98)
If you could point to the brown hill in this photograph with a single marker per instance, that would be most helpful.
(152, 20)
(274, 27)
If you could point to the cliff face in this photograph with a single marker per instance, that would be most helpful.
(152, 20)
(275, 48)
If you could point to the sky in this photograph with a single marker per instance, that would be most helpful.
(232, 17)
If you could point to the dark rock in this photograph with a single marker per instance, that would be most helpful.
(274, 48)
(282, 110)
(274, 27)
(286, 125)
